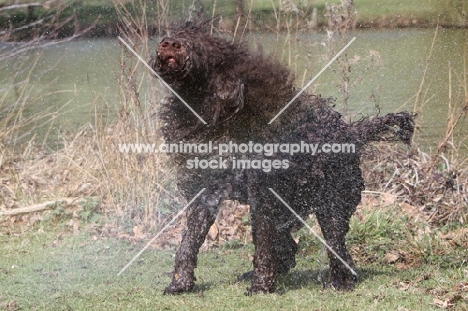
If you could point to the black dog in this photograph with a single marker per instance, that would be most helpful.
(237, 93)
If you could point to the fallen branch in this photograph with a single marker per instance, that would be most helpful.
(40, 206)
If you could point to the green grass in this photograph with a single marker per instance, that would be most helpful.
(61, 271)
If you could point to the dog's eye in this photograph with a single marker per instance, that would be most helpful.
(176, 45)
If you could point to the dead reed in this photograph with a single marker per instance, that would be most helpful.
(136, 192)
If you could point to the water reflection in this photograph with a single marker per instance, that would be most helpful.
(79, 78)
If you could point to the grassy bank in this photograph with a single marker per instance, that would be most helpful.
(71, 218)
(369, 13)
(61, 270)
(138, 190)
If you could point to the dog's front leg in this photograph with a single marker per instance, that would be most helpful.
(200, 217)
(265, 261)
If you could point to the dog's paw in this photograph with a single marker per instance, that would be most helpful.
(343, 285)
(260, 289)
(179, 286)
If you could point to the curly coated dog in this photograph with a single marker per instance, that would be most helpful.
(237, 92)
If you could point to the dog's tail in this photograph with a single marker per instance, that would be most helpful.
(390, 127)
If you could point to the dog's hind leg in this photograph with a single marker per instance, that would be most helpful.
(200, 217)
(334, 227)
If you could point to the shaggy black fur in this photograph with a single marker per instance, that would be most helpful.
(237, 92)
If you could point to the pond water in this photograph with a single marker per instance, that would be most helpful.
(78, 79)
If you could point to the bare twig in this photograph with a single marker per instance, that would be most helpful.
(20, 6)
(50, 27)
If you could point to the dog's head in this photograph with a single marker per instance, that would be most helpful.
(179, 54)
(172, 58)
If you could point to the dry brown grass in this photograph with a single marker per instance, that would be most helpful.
(136, 193)
(430, 184)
